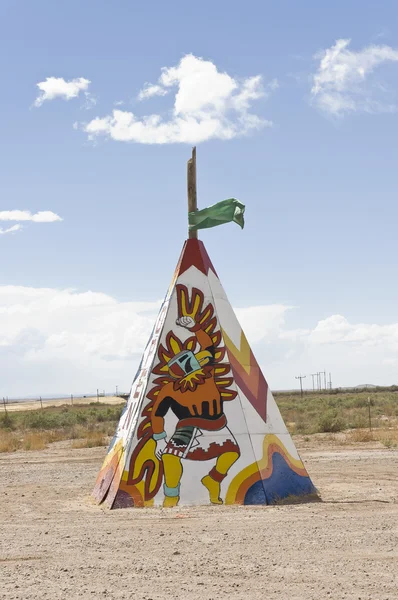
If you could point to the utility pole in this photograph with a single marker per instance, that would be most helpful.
(319, 380)
(41, 403)
(5, 405)
(301, 377)
(330, 381)
(313, 384)
(116, 390)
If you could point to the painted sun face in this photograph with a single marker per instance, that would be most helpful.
(183, 364)
(189, 370)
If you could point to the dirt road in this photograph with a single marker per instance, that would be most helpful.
(55, 544)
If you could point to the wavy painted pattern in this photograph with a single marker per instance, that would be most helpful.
(276, 476)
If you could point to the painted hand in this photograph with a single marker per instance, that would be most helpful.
(187, 322)
(160, 448)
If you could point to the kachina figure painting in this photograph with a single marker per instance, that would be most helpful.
(192, 382)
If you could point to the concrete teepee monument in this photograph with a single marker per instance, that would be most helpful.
(201, 425)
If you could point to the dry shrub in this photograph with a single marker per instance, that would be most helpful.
(360, 435)
(57, 436)
(9, 442)
(76, 432)
(30, 440)
(34, 441)
(388, 437)
(84, 437)
(91, 440)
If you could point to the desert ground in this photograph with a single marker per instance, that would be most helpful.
(55, 543)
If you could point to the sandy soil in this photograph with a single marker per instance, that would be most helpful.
(55, 544)
(35, 404)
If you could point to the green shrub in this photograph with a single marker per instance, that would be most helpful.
(6, 421)
(331, 422)
(358, 421)
(388, 443)
(81, 418)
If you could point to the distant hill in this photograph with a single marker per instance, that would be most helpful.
(365, 386)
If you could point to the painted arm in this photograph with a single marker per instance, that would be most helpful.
(203, 338)
(159, 410)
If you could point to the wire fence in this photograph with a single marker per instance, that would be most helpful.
(18, 403)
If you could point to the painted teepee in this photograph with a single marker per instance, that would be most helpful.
(201, 425)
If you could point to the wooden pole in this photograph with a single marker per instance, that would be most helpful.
(191, 183)
(301, 377)
(370, 415)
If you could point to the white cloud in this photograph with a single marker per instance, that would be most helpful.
(261, 322)
(342, 83)
(66, 341)
(70, 342)
(208, 104)
(57, 87)
(89, 101)
(44, 216)
(150, 90)
(336, 330)
(12, 229)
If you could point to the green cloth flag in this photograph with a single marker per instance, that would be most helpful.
(222, 212)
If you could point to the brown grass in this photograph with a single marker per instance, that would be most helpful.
(92, 440)
(38, 440)
(360, 436)
(8, 442)
(34, 441)
(30, 440)
(89, 426)
(388, 437)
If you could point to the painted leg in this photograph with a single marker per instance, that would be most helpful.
(172, 468)
(213, 480)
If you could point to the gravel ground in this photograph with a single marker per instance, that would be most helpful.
(54, 543)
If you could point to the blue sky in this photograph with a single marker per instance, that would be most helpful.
(319, 249)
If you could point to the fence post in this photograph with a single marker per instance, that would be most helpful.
(370, 416)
